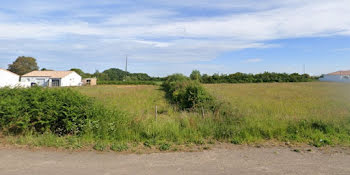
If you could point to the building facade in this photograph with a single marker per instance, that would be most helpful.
(89, 81)
(51, 79)
(340, 76)
(8, 79)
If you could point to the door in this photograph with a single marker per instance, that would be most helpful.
(55, 83)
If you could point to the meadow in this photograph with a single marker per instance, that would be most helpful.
(280, 110)
(312, 113)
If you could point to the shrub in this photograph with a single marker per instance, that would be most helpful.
(187, 94)
(61, 111)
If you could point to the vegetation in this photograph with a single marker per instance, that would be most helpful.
(117, 75)
(129, 82)
(257, 78)
(196, 75)
(23, 65)
(60, 111)
(314, 113)
(186, 93)
(121, 118)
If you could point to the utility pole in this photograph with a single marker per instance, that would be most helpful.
(304, 68)
(126, 64)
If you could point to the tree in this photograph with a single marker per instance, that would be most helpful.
(115, 74)
(79, 71)
(195, 75)
(23, 65)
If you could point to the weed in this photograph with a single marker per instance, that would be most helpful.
(100, 146)
(164, 146)
(119, 147)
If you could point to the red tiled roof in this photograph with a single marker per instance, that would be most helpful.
(51, 74)
(341, 73)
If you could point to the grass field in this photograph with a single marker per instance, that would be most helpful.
(313, 113)
(326, 101)
(273, 108)
(139, 101)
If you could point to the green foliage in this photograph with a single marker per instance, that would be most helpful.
(119, 147)
(247, 113)
(115, 74)
(100, 146)
(187, 94)
(23, 65)
(81, 73)
(195, 75)
(61, 111)
(127, 83)
(257, 78)
(164, 146)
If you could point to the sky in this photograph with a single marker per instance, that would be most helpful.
(161, 37)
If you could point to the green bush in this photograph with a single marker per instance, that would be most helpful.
(186, 93)
(266, 77)
(61, 111)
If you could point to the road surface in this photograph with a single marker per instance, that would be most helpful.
(249, 160)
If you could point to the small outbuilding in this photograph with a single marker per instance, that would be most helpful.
(89, 81)
(51, 79)
(340, 76)
(8, 79)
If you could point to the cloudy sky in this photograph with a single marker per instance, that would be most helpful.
(162, 37)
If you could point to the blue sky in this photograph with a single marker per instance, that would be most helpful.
(162, 37)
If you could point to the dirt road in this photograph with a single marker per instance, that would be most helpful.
(217, 161)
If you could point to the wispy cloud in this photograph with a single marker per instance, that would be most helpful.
(160, 30)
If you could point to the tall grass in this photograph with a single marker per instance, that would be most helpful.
(312, 113)
(315, 113)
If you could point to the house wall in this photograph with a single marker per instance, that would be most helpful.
(93, 81)
(40, 81)
(8, 79)
(336, 78)
(72, 79)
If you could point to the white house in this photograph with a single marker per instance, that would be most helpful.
(340, 76)
(51, 78)
(8, 79)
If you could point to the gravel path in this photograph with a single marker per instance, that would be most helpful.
(276, 160)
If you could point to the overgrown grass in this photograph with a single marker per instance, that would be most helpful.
(313, 113)
(129, 82)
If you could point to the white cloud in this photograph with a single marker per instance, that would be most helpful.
(164, 34)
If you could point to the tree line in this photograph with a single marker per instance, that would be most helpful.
(23, 65)
(115, 74)
(266, 77)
